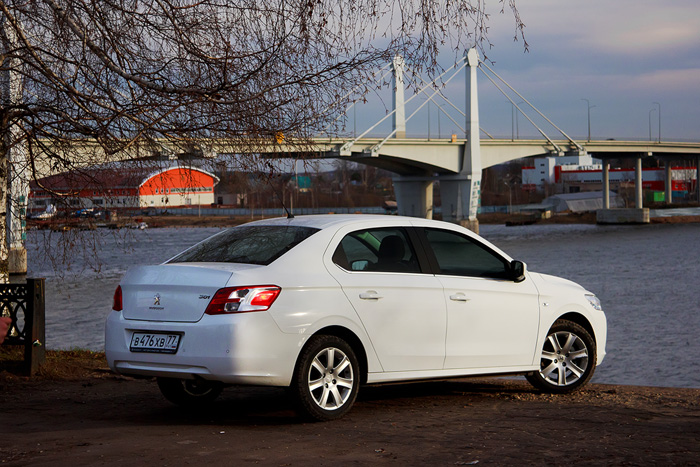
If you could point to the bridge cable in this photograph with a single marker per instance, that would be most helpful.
(530, 104)
(454, 107)
(558, 149)
(422, 90)
(349, 144)
(351, 92)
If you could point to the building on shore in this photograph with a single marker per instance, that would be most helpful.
(124, 187)
(574, 174)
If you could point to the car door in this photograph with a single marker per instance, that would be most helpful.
(401, 307)
(492, 320)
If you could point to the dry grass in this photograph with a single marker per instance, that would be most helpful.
(60, 365)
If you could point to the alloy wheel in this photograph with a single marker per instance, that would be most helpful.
(564, 358)
(330, 379)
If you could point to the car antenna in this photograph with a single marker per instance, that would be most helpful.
(289, 214)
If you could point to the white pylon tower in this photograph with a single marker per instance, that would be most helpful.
(399, 118)
(461, 193)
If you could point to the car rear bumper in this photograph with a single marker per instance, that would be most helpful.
(246, 348)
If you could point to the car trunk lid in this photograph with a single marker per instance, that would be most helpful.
(171, 292)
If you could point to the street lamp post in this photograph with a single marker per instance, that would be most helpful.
(517, 127)
(588, 103)
(650, 111)
(659, 120)
(510, 197)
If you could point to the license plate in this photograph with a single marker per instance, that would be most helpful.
(154, 342)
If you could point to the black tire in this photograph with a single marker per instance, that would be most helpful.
(189, 392)
(567, 361)
(327, 389)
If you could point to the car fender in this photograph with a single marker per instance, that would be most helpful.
(559, 297)
(305, 311)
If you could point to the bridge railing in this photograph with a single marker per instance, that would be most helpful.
(25, 304)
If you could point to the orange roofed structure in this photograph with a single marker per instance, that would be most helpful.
(125, 187)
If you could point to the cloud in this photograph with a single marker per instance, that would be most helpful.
(678, 79)
(619, 27)
(643, 37)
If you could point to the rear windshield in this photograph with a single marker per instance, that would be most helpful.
(255, 244)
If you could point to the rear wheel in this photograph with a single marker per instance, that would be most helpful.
(189, 392)
(567, 360)
(326, 378)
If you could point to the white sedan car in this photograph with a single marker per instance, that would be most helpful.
(323, 304)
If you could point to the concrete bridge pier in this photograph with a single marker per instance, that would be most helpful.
(638, 192)
(606, 185)
(697, 178)
(414, 196)
(668, 195)
(637, 215)
(460, 200)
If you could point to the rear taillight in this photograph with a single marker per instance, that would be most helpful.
(243, 299)
(117, 302)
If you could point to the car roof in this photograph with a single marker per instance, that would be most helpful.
(338, 221)
(324, 221)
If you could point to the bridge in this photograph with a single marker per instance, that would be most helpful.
(457, 163)
(444, 156)
(418, 162)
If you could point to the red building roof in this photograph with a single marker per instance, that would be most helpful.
(105, 179)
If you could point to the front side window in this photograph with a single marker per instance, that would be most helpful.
(255, 244)
(381, 250)
(458, 255)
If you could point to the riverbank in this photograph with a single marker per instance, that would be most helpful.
(490, 219)
(162, 221)
(79, 413)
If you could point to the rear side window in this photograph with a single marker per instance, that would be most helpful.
(458, 255)
(255, 244)
(381, 250)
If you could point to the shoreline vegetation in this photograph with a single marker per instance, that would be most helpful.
(76, 409)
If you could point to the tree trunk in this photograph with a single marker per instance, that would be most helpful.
(14, 183)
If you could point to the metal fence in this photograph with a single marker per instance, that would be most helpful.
(24, 303)
(271, 212)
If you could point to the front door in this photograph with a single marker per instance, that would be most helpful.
(493, 321)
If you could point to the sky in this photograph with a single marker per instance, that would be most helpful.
(624, 56)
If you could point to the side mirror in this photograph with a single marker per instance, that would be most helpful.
(517, 271)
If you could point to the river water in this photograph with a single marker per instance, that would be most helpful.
(647, 278)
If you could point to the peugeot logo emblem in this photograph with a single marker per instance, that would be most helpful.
(156, 299)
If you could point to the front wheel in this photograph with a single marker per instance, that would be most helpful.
(567, 360)
(189, 392)
(326, 378)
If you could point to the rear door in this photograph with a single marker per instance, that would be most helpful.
(401, 307)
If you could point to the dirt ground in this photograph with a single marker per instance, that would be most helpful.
(94, 417)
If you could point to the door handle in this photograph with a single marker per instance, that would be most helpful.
(370, 295)
(459, 297)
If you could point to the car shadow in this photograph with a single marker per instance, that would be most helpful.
(274, 406)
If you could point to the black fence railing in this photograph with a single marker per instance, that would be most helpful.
(24, 303)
